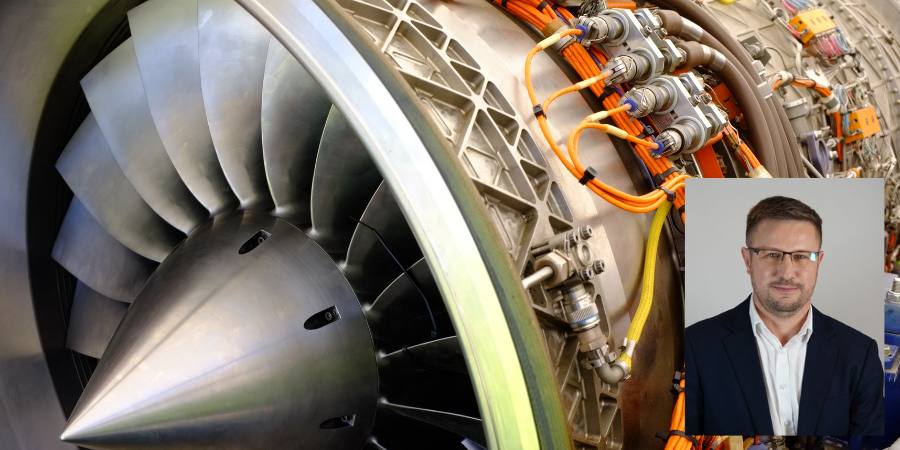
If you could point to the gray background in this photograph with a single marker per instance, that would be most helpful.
(851, 284)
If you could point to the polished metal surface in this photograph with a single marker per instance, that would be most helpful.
(443, 211)
(381, 246)
(233, 49)
(464, 426)
(93, 321)
(91, 171)
(116, 94)
(439, 354)
(166, 44)
(294, 109)
(35, 38)
(236, 342)
(89, 253)
(402, 294)
(344, 179)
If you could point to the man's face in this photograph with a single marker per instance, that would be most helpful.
(783, 287)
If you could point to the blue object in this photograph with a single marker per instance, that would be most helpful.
(630, 102)
(581, 36)
(891, 357)
(891, 318)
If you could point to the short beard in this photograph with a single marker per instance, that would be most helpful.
(784, 310)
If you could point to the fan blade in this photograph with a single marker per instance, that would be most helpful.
(89, 253)
(373, 444)
(343, 182)
(370, 264)
(440, 354)
(217, 351)
(291, 97)
(398, 297)
(93, 321)
(116, 94)
(92, 173)
(233, 49)
(464, 426)
(167, 49)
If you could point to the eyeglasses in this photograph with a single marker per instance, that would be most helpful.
(771, 256)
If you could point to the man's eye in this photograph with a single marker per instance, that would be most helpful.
(772, 255)
(801, 257)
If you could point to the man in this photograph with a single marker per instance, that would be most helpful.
(775, 365)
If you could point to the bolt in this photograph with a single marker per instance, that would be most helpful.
(586, 273)
(599, 266)
(585, 232)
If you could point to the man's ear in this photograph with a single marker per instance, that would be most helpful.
(821, 256)
(745, 254)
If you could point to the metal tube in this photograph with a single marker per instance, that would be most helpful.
(540, 275)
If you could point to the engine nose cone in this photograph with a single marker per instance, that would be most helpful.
(247, 336)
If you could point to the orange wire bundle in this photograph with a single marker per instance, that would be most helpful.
(585, 66)
(679, 442)
(824, 91)
(637, 204)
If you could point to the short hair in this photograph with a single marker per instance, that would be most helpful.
(781, 208)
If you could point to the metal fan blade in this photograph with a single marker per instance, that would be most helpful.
(93, 321)
(373, 444)
(233, 49)
(370, 263)
(116, 94)
(92, 173)
(398, 297)
(167, 49)
(464, 426)
(439, 354)
(89, 253)
(294, 109)
(231, 346)
(343, 182)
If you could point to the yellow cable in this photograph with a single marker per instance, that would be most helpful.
(646, 301)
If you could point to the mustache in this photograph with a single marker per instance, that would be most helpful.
(784, 284)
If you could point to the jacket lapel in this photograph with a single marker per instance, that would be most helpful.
(817, 369)
(744, 358)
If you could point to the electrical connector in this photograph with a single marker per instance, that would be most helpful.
(863, 123)
(812, 23)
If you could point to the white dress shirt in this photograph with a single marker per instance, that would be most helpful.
(782, 367)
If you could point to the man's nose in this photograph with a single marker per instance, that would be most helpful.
(787, 264)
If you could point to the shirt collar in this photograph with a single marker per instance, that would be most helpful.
(760, 327)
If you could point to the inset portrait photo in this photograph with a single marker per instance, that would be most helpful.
(784, 307)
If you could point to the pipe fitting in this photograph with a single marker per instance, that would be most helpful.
(697, 54)
(679, 26)
(579, 308)
(614, 373)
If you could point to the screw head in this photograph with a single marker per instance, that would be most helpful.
(585, 232)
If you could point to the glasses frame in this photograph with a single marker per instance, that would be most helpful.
(814, 255)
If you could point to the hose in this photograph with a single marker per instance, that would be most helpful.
(717, 34)
(775, 115)
(729, 73)
(621, 368)
(628, 202)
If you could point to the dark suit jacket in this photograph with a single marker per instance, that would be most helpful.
(725, 392)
